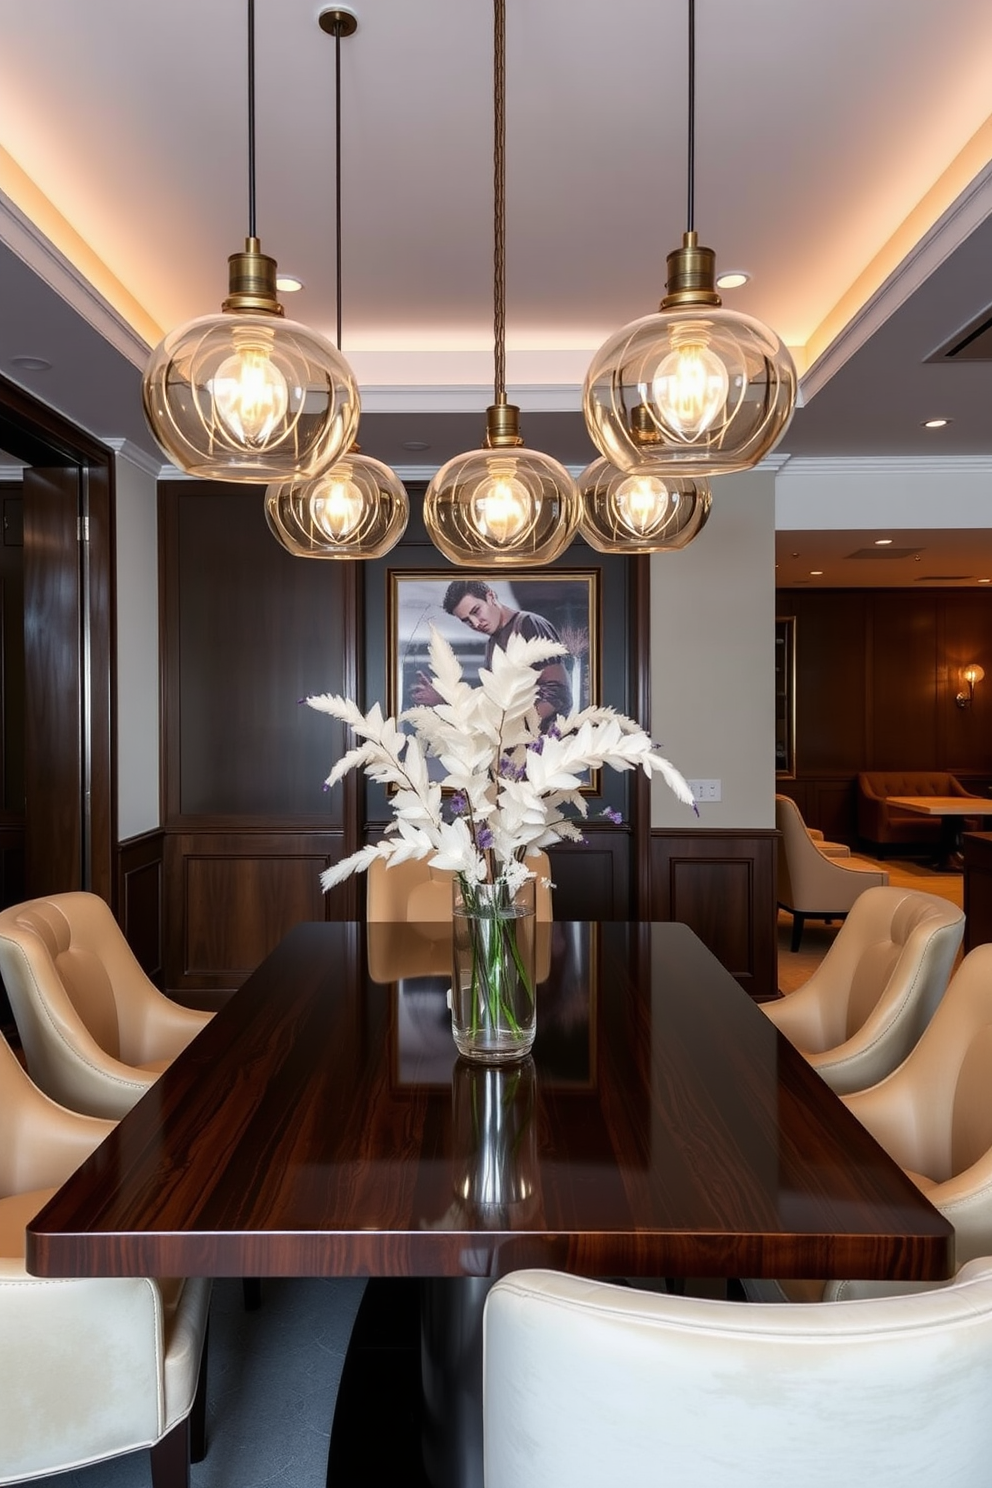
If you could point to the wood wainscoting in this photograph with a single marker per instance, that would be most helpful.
(722, 885)
(140, 901)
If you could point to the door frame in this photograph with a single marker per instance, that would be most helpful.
(36, 434)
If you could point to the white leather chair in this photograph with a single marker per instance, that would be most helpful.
(414, 892)
(95, 1032)
(89, 1369)
(875, 991)
(810, 884)
(587, 1384)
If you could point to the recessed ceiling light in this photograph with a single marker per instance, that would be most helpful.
(937, 423)
(883, 542)
(288, 283)
(816, 573)
(985, 581)
(31, 364)
(732, 279)
(415, 444)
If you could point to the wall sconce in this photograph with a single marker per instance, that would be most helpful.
(971, 674)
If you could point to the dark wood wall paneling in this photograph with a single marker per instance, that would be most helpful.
(722, 885)
(140, 896)
(247, 632)
(877, 671)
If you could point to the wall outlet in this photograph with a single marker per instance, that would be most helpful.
(706, 790)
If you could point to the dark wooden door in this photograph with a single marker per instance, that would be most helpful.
(56, 754)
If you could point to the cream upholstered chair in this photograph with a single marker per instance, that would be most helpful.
(585, 1384)
(876, 989)
(810, 884)
(414, 892)
(96, 1033)
(932, 1115)
(832, 849)
(89, 1369)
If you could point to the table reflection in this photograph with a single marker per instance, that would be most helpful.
(415, 961)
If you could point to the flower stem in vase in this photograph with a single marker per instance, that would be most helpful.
(493, 998)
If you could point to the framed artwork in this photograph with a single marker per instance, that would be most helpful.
(475, 612)
(785, 697)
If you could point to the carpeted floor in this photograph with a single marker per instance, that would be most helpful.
(795, 967)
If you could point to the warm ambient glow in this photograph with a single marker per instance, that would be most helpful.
(690, 386)
(250, 393)
(970, 674)
(357, 509)
(638, 511)
(502, 507)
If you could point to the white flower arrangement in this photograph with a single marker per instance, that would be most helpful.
(513, 786)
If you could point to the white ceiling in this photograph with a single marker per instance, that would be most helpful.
(842, 158)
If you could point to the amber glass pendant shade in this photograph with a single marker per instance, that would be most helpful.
(503, 508)
(357, 509)
(640, 511)
(696, 391)
(247, 395)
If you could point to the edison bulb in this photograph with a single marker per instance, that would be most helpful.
(642, 504)
(250, 394)
(337, 504)
(690, 389)
(503, 509)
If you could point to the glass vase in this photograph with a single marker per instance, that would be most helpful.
(493, 1003)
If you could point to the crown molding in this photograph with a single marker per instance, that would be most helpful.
(128, 450)
(961, 218)
(40, 254)
(929, 466)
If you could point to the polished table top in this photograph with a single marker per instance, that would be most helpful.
(944, 805)
(321, 1125)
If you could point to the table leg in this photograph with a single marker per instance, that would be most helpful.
(409, 1405)
(451, 1364)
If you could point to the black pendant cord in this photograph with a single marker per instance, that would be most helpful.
(251, 120)
(499, 200)
(337, 173)
(690, 205)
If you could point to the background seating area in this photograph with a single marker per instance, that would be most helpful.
(882, 825)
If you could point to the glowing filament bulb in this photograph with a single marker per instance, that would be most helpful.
(338, 505)
(250, 394)
(690, 388)
(642, 504)
(503, 508)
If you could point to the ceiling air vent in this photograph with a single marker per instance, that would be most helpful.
(885, 553)
(972, 344)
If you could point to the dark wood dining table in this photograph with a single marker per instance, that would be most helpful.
(321, 1125)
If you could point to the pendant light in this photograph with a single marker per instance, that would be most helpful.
(248, 395)
(695, 390)
(358, 508)
(640, 511)
(503, 505)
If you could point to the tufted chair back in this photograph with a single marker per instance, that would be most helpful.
(875, 991)
(95, 1031)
